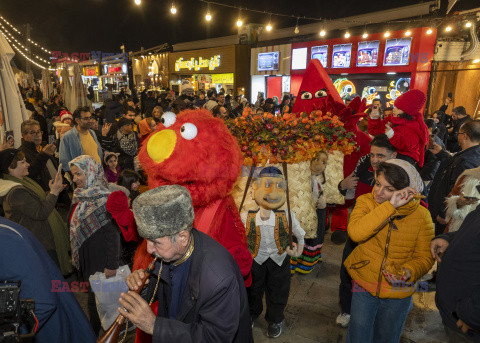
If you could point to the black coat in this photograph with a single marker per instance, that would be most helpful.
(458, 277)
(446, 176)
(214, 307)
(113, 110)
(43, 125)
(38, 164)
(452, 141)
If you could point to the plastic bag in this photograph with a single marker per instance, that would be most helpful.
(107, 292)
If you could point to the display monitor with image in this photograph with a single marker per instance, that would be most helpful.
(367, 55)
(397, 52)
(268, 61)
(320, 53)
(341, 55)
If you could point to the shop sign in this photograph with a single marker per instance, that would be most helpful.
(201, 63)
(91, 71)
(222, 78)
(115, 69)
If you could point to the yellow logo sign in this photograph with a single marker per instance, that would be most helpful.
(210, 63)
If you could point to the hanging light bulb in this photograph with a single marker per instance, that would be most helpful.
(387, 34)
(429, 31)
(448, 28)
(408, 33)
(347, 34)
(322, 33)
(269, 27)
(138, 2)
(173, 9)
(297, 30)
(476, 60)
(365, 35)
(208, 16)
(239, 22)
(468, 24)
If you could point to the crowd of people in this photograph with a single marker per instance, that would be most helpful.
(416, 195)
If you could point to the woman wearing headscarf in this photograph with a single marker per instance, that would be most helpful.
(26, 203)
(393, 231)
(94, 239)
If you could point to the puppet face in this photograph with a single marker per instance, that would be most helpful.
(194, 150)
(318, 165)
(269, 192)
(315, 90)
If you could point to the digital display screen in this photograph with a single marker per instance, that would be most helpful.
(397, 52)
(341, 55)
(367, 55)
(320, 53)
(299, 58)
(268, 61)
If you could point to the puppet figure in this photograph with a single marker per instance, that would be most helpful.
(268, 242)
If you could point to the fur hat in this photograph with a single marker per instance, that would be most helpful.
(65, 115)
(163, 211)
(411, 102)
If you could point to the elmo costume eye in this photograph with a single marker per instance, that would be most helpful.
(168, 119)
(306, 96)
(188, 131)
(321, 93)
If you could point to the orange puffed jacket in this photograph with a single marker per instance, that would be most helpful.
(385, 235)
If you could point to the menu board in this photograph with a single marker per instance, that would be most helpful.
(341, 55)
(320, 53)
(367, 55)
(397, 52)
(268, 61)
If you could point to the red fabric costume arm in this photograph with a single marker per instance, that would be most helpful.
(376, 126)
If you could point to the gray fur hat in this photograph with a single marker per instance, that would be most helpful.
(163, 211)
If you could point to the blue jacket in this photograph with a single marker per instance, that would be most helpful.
(23, 258)
(71, 147)
(458, 277)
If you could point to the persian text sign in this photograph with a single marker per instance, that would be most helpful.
(201, 63)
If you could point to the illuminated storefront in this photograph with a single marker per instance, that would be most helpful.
(374, 66)
(222, 67)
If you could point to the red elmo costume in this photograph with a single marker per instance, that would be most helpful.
(196, 150)
(317, 92)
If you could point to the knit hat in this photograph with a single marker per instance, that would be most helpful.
(163, 211)
(6, 158)
(65, 115)
(411, 102)
(416, 181)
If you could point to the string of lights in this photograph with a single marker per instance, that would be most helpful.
(12, 39)
(20, 33)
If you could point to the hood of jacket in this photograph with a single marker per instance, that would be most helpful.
(6, 186)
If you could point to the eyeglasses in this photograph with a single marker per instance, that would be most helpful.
(35, 132)
(87, 118)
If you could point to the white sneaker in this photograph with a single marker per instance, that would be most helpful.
(343, 319)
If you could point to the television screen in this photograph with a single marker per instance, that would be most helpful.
(367, 55)
(341, 55)
(299, 58)
(268, 61)
(320, 53)
(397, 52)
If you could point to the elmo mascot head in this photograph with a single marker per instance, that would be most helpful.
(195, 150)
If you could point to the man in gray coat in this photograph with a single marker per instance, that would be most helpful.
(197, 283)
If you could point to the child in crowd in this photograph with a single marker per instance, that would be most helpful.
(146, 127)
(64, 124)
(131, 181)
(112, 169)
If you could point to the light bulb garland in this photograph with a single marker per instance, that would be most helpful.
(20, 33)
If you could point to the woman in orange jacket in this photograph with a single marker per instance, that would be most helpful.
(393, 232)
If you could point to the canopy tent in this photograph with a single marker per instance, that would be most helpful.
(66, 88)
(12, 108)
(46, 85)
(79, 93)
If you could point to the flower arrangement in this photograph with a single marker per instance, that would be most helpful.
(291, 138)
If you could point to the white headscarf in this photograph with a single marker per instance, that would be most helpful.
(416, 181)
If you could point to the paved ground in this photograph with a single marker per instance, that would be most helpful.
(313, 307)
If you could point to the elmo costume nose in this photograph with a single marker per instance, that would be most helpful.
(160, 146)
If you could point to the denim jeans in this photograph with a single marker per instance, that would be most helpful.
(377, 320)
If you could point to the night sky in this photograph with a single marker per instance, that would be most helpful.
(86, 25)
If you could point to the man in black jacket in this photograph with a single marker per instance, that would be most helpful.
(199, 288)
(458, 279)
(460, 116)
(451, 168)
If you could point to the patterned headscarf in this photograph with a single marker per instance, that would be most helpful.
(416, 181)
(90, 213)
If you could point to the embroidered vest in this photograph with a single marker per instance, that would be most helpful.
(254, 235)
